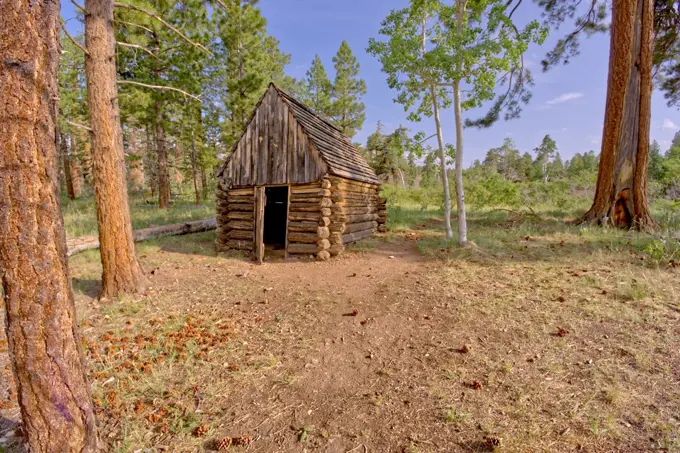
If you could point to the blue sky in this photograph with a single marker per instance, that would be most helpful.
(568, 102)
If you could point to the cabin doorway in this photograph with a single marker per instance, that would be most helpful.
(275, 217)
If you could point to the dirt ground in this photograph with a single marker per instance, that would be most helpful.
(554, 343)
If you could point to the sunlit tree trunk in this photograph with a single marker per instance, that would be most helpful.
(442, 164)
(76, 167)
(460, 192)
(162, 156)
(621, 192)
(194, 168)
(68, 176)
(40, 321)
(121, 270)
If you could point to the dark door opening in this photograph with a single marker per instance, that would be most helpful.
(275, 217)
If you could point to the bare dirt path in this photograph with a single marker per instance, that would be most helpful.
(383, 350)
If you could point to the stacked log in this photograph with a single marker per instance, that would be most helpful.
(357, 212)
(235, 218)
(309, 220)
(382, 214)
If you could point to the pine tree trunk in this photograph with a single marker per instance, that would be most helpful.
(442, 164)
(194, 168)
(121, 270)
(40, 321)
(162, 155)
(621, 192)
(135, 167)
(76, 168)
(204, 182)
(68, 177)
(460, 193)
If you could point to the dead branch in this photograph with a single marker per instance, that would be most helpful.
(82, 10)
(135, 46)
(158, 87)
(134, 25)
(81, 126)
(63, 27)
(164, 22)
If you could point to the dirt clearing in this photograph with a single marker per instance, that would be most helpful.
(549, 342)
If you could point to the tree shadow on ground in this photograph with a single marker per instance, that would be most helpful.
(88, 287)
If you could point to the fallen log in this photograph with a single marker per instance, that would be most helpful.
(80, 244)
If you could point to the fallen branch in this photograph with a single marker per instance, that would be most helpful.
(158, 87)
(164, 22)
(80, 244)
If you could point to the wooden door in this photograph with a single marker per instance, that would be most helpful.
(260, 203)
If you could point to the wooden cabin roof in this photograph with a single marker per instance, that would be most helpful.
(337, 152)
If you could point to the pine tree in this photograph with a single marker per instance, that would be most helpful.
(318, 88)
(348, 89)
(544, 156)
(40, 320)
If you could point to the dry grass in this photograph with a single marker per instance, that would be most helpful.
(545, 337)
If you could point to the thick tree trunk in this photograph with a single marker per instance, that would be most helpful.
(76, 168)
(460, 193)
(121, 270)
(40, 321)
(621, 192)
(442, 164)
(68, 177)
(162, 155)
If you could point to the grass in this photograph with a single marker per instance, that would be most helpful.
(80, 217)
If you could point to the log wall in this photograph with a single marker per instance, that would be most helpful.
(235, 218)
(323, 216)
(308, 220)
(358, 211)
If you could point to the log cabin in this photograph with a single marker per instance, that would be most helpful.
(294, 183)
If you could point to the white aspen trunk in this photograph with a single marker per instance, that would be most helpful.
(442, 163)
(460, 193)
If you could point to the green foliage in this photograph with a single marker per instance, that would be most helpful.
(348, 111)
(663, 251)
(318, 89)
(491, 190)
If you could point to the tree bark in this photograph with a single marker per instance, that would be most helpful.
(621, 191)
(76, 167)
(442, 164)
(68, 177)
(162, 155)
(460, 193)
(121, 270)
(43, 341)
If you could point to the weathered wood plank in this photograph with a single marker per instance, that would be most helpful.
(304, 238)
(259, 224)
(241, 234)
(240, 215)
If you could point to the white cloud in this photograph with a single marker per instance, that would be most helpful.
(566, 97)
(668, 124)
(564, 129)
